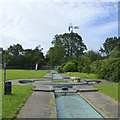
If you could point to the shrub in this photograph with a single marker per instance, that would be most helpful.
(70, 67)
(59, 69)
(108, 69)
(63, 65)
(84, 64)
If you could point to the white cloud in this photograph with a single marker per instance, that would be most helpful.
(60, 0)
(34, 23)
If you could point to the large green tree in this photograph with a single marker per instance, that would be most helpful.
(110, 44)
(73, 46)
(55, 55)
(34, 56)
(93, 55)
(17, 57)
(13, 55)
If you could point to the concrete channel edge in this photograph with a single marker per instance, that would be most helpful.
(96, 109)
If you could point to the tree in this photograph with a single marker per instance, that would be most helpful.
(34, 56)
(13, 56)
(55, 55)
(93, 55)
(115, 53)
(73, 45)
(16, 57)
(109, 45)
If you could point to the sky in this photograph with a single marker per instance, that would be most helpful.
(36, 22)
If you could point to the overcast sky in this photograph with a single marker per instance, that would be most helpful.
(34, 22)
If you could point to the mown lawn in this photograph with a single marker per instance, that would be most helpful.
(83, 75)
(110, 90)
(24, 74)
(12, 103)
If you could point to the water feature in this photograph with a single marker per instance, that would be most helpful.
(56, 76)
(56, 85)
(71, 105)
(25, 81)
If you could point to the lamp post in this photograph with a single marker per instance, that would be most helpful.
(4, 76)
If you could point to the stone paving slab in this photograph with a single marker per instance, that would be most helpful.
(48, 76)
(58, 83)
(38, 106)
(65, 76)
(105, 105)
(66, 91)
(85, 88)
(103, 82)
(44, 88)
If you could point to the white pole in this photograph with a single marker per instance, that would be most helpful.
(36, 67)
(4, 76)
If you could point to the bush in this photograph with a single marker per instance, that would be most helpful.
(108, 69)
(59, 69)
(63, 65)
(84, 64)
(70, 67)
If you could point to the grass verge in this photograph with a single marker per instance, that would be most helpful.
(83, 75)
(11, 104)
(109, 90)
(24, 74)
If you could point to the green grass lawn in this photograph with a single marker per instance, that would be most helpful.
(12, 103)
(24, 74)
(83, 75)
(109, 90)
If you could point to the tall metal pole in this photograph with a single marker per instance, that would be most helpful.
(4, 76)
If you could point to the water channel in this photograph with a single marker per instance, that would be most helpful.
(71, 105)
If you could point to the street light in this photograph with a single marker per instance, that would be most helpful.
(4, 76)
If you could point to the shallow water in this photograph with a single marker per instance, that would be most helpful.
(72, 105)
(56, 76)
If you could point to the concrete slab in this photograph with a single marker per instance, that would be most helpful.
(97, 81)
(66, 91)
(105, 105)
(48, 76)
(65, 76)
(44, 88)
(38, 106)
(85, 88)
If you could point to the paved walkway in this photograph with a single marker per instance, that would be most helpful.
(39, 105)
(107, 106)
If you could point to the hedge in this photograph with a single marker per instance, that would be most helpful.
(108, 69)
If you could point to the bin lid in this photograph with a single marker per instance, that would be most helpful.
(8, 82)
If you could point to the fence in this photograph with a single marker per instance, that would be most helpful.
(32, 67)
